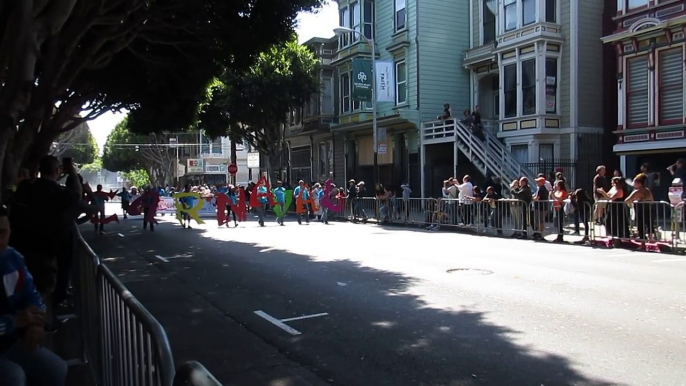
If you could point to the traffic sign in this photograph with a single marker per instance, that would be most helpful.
(233, 169)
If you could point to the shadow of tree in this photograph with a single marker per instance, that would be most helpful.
(378, 331)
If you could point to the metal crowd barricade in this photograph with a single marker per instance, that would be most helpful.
(121, 341)
(679, 224)
(642, 222)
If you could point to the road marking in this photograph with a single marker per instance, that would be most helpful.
(268, 249)
(667, 260)
(341, 284)
(305, 317)
(277, 323)
(120, 235)
(162, 258)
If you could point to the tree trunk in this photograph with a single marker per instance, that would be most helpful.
(6, 134)
(234, 159)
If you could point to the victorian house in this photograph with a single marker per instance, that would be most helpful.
(536, 74)
(422, 42)
(650, 48)
(308, 138)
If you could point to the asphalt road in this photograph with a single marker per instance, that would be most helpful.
(538, 314)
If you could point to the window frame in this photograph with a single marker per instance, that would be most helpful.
(344, 20)
(521, 145)
(328, 81)
(628, 92)
(484, 12)
(524, 14)
(346, 107)
(556, 86)
(364, 21)
(554, 13)
(355, 6)
(506, 6)
(532, 86)
(396, 10)
(398, 83)
(628, 7)
(510, 91)
(659, 85)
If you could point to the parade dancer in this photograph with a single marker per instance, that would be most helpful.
(262, 199)
(100, 198)
(231, 194)
(280, 196)
(188, 202)
(125, 201)
(302, 189)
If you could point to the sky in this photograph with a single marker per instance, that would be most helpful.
(320, 24)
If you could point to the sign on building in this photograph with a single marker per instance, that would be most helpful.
(362, 80)
(196, 166)
(382, 148)
(253, 160)
(215, 169)
(385, 83)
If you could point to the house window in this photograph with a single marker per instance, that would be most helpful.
(528, 12)
(489, 20)
(510, 8)
(671, 86)
(345, 93)
(546, 152)
(551, 11)
(327, 97)
(551, 86)
(400, 15)
(356, 21)
(520, 153)
(637, 3)
(344, 21)
(495, 88)
(368, 19)
(529, 87)
(510, 90)
(323, 158)
(637, 91)
(400, 83)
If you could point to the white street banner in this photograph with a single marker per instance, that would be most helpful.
(385, 85)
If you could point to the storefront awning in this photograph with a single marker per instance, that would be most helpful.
(668, 146)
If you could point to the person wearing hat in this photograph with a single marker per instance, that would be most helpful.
(359, 210)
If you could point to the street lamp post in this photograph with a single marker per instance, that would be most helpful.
(344, 30)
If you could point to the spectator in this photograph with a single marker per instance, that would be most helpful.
(44, 210)
(521, 191)
(22, 320)
(600, 183)
(447, 113)
(540, 208)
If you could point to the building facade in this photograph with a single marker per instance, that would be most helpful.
(423, 40)
(650, 48)
(206, 161)
(536, 74)
(309, 141)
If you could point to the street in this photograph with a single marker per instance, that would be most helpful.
(371, 305)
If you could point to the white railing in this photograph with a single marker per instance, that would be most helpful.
(489, 154)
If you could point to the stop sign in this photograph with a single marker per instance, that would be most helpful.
(233, 169)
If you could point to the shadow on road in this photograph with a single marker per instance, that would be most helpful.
(378, 332)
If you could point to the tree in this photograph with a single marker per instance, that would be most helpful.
(63, 62)
(78, 144)
(254, 104)
(127, 152)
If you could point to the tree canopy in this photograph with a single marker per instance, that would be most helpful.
(63, 62)
(78, 144)
(252, 104)
(125, 151)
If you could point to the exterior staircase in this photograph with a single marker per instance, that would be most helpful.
(488, 155)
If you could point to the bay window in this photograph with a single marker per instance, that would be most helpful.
(510, 90)
(637, 91)
(400, 15)
(356, 26)
(528, 12)
(529, 87)
(368, 16)
(489, 19)
(551, 86)
(400, 83)
(551, 11)
(344, 21)
(327, 97)
(345, 93)
(510, 8)
(671, 90)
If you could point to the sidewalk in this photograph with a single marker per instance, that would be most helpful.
(196, 329)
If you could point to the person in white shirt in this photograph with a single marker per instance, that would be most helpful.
(466, 190)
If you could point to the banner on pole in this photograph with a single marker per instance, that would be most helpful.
(385, 84)
(362, 80)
